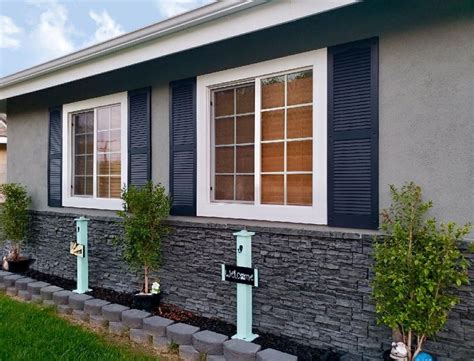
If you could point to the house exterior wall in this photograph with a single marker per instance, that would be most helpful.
(425, 119)
(426, 128)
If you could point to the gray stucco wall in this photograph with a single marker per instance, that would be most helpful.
(426, 114)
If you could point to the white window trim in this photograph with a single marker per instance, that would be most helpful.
(315, 214)
(89, 202)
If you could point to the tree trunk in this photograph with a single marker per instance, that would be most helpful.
(146, 278)
(409, 337)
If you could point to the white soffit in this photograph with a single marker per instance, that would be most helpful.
(206, 25)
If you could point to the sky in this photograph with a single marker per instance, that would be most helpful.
(35, 31)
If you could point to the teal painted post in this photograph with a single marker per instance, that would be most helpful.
(244, 292)
(82, 262)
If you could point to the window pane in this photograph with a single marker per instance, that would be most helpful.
(80, 165)
(245, 99)
(103, 187)
(114, 141)
(299, 189)
(224, 102)
(103, 141)
(89, 185)
(103, 118)
(245, 159)
(273, 92)
(245, 129)
(300, 122)
(300, 156)
(115, 121)
(224, 130)
(103, 164)
(272, 189)
(244, 188)
(300, 87)
(225, 160)
(115, 164)
(115, 187)
(273, 125)
(90, 164)
(224, 187)
(79, 186)
(80, 144)
(272, 157)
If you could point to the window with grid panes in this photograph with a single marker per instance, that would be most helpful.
(286, 142)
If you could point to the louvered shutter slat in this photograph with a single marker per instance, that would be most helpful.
(183, 147)
(139, 137)
(55, 148)
(353, 135)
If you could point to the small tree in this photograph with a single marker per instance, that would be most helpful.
(418, 266)
(14, 218)
(144, 210)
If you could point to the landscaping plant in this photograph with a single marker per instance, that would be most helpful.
(418, 266)
(144, 211)
(14, 218)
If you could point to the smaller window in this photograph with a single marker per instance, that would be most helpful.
(95, 152)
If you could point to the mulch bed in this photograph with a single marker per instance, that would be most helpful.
(175, 313)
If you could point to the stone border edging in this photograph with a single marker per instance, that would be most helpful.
(140, 326)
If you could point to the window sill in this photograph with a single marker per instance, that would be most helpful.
(93, 203)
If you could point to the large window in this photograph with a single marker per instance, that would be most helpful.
(95, 148)
(262, 140)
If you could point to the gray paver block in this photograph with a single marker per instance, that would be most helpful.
(12, 291)
(211, 343)
(10, 280)
(64, 309)
(161, 343)
(156, 325)
(49, 303)
(215, 358)
(35, 287)
(238, 350)
(188, 353)
(22, 283)
(273, 355)
(140, 336)
(134, 318)
(47, 292)
(61, 297)
(181, 333)
(24, 295)
(76, 301)
(94, 306)
(3, 287)
(4, 274)
(36, 299)
(117, 328)
(113, 312)
(79, 315)
(98, 321)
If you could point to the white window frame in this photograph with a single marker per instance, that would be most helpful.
(69, 200)
(315, 214)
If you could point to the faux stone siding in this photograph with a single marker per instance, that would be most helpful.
(314, 286)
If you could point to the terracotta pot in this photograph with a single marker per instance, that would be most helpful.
(147, 302)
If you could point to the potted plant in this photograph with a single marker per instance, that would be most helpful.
(143, 215)
(14, 223)
(418, 266)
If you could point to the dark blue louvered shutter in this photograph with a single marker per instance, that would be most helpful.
(183, 147)
(353, 135)
(55, 157)
(139, 137)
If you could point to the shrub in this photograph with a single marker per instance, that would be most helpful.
(14, 218)
(144, 210)
(418, 266)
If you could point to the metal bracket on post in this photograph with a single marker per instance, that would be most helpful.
(79, 249)
(244, 289)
